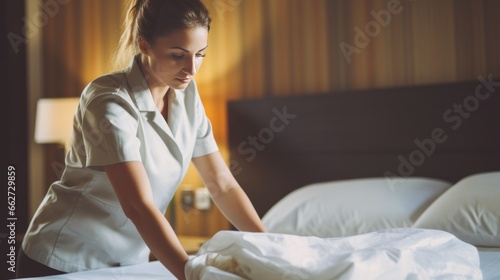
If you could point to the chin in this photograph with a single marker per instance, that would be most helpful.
(179, 85)
(183, 86)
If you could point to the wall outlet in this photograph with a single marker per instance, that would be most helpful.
(202, 200)
(187, 198)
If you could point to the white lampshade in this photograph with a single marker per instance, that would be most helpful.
(54, 120)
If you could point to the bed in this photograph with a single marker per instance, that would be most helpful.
(351, 162)
(359, 167)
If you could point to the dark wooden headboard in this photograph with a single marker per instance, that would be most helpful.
(446, 131)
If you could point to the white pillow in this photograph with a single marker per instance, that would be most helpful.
(356, 206)
(470, 210)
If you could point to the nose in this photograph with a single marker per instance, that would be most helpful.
(190, 67)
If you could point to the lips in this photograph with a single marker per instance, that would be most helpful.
(184, 80)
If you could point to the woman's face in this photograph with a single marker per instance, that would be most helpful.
(174, 59)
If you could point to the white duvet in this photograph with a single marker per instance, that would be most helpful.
(387, 254)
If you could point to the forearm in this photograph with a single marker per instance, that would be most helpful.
(161, 239)
(227, 193)
(131, 185)
(238, 209)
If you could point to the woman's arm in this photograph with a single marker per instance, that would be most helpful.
(227, 193)
(131, 184)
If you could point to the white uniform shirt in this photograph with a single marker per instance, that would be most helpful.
(80, 224)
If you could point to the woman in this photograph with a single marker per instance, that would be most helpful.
(135, 133)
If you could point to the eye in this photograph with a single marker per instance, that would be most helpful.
(177, 56)
(200, 55)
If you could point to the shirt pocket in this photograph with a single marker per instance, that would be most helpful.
(101, 200)
(100, 213)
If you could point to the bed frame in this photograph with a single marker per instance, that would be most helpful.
(446, 131)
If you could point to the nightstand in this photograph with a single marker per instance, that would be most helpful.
(192, 243)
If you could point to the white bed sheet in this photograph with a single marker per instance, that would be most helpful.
(489, 263)
(152, 270)
(403, 253)
(147, 271)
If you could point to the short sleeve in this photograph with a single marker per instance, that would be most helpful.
(109, 130)
(205, 142)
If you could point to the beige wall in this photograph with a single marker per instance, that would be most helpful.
(290, 47)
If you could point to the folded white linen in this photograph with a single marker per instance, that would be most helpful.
(407, 253)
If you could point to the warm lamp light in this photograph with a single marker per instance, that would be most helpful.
(54, 120)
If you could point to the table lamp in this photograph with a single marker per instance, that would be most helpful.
(54, 120)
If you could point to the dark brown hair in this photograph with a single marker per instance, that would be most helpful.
(151, 19)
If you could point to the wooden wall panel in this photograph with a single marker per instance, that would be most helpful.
(281, 47)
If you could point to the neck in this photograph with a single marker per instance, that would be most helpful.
(158, 93)
(157, 88)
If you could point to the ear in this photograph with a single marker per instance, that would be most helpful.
(143, 45)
